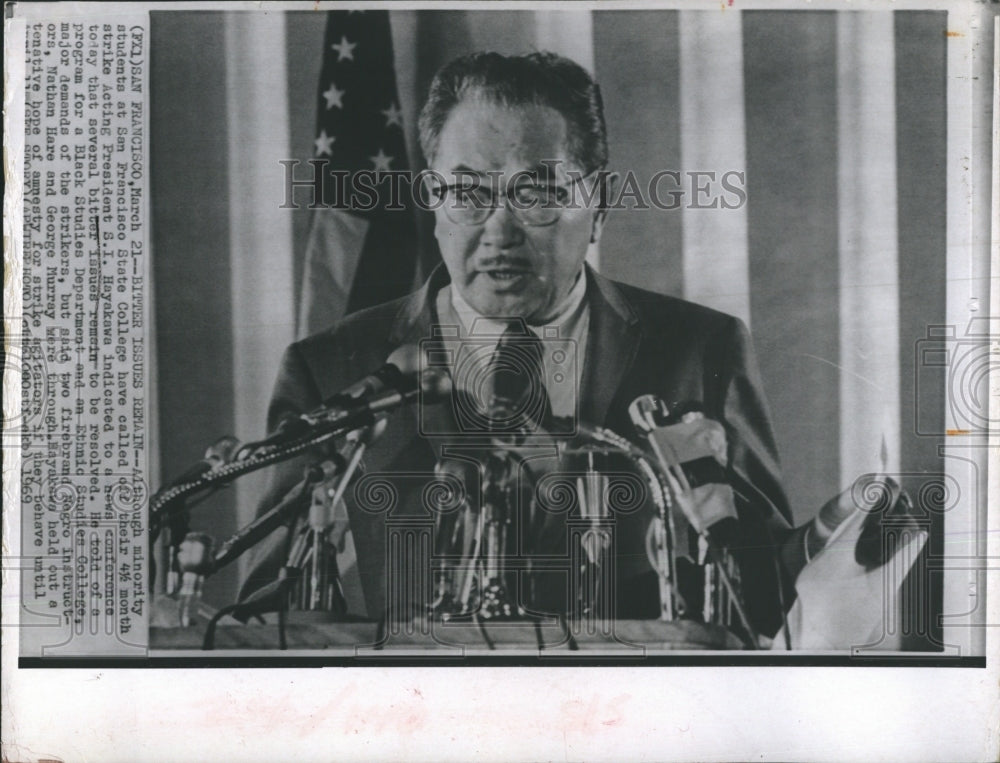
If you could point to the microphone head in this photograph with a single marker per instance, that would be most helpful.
(644, 411)
(409, 359)
(693, 438)
(221, 451)
(401, 369)
(398, 373)
(683, 413)
(195, 553)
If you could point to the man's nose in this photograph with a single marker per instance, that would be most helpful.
(502, 229)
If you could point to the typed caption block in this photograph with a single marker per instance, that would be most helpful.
(83, 429)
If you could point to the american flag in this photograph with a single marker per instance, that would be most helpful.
(357, 257)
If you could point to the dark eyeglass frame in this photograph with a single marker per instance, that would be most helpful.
(477, 213)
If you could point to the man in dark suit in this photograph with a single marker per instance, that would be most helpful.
(517, 151)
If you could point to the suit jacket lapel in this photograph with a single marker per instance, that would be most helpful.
(612, 342)
(414, 324)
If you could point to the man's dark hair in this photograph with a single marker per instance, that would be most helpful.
(544, 79)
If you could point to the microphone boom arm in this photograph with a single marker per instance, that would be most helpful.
(172, 500)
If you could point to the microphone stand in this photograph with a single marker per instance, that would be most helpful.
(311, 565)
(170, 505)
(293, 437)
(643, 412)
(274, 596)
(297, 435)
(313, 551)
(672, 602)
(171, 501)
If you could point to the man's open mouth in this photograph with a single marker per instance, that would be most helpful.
(506, 275)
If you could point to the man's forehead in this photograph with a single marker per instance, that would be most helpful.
(481, 136)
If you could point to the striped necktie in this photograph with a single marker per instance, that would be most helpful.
(519, 398)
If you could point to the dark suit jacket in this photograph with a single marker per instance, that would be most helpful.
(638, 343)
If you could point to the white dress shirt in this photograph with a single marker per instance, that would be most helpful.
(564, 343)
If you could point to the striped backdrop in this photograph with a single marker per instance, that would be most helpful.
(838, 261)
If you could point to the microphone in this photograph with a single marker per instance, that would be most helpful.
(292, 502)
(432, 385)
(402, 379)
(692, 453)
(217, 454)
(399, 372)
(195, 562)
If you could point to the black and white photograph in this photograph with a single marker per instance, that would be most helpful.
(637, 340)
(648, 320)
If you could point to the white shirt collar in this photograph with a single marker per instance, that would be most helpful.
(567, 310)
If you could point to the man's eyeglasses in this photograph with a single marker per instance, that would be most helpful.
(534, 204)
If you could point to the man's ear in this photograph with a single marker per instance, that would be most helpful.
(609, 183)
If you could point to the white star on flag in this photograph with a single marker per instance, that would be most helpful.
(334, 97)
(381, 161)
(393, 115)
(344, 49)
(323, 143)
